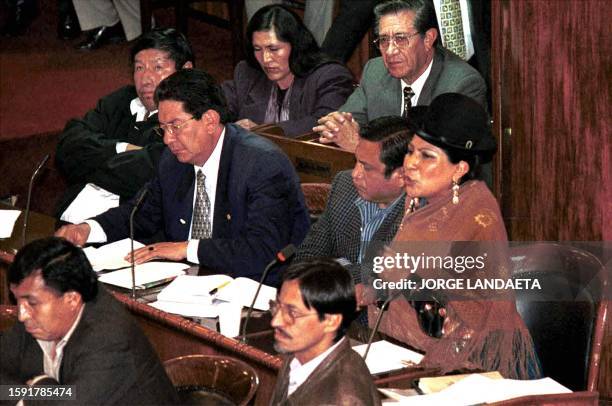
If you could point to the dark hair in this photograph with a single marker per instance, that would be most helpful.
(196, 89)
(474, 161)
(327, 287)
(288, 27)
(394, 133)
(62, 265)
(168, 40)
(424, 19)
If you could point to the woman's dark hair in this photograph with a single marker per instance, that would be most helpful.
(62, 265)
(168, 40)
(197, 90)
(288, 27)
(474, 161)
(327, 287)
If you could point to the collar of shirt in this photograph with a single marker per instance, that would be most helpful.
(211, 171)
(139, 110)
(52, 365)
(417, 86)
(298, 373)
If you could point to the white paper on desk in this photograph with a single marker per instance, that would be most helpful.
(242, 291)
(7, 222)
(147, 273)
(192, 289)
(385, 356)
(111, 256)
(90, 202)
(476, 389)
(187, 309)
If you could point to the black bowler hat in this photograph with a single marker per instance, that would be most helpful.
(456, 122)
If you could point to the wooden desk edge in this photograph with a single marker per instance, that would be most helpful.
(182, 324)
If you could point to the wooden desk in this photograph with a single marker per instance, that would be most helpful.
(314, 162)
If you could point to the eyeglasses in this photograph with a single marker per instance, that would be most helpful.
(289, 314)
(400, 40)
(172, 129)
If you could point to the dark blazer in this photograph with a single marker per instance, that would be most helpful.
(86, 148)
(107, 358)
(337, 232)
(313, 96)
(259, 206)
(379, 94)
(341, 379)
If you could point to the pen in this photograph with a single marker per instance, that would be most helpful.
(215, 290)
(155, 283)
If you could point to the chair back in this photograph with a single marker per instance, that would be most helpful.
(212, 380)
(316, 195)
(566, 318)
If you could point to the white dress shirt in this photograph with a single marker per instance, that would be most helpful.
(298, 373)
(417, 87)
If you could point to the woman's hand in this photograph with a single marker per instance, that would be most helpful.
(246, 123)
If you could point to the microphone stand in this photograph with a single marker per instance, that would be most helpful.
(133, 267)
(383, 308)
(281, 257)
(27, 210)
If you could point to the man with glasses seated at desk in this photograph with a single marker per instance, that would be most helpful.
(413, 69)
(314, 307)
(223, 197)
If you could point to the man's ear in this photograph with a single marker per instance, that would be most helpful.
(73, 299)
(332, 323)
(397, 177)
(430, 38)
(211, 116)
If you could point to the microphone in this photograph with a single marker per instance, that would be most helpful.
(383, 308)
(139, 200)
(281, 257)
(26, 215)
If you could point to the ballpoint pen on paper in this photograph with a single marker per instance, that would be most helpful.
(215, 290)
(155, 283)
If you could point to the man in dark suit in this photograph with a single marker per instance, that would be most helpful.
(223, 197)
(74, 332)
(113, 146)
(364, 206)
(412, 70)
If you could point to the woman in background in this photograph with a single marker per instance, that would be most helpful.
(285, 79)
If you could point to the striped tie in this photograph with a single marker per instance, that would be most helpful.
(408, 93)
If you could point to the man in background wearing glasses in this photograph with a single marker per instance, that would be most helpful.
(113, 148)
(314, 308)
(223, 197)
(414, 68)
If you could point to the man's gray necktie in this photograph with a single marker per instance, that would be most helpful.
(200, 228)
(408, 93)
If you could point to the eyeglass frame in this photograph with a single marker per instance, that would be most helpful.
(172, 129)
(392, 39)
(287, 315)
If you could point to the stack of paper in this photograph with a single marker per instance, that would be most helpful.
(111, 256)
(90, 202)
(189, 295)
(7, 222)
(385, 356)
(478, 389)
(147, 275)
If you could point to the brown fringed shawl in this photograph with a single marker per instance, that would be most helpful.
(482, 329)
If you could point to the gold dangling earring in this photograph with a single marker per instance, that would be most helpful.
(455, 192)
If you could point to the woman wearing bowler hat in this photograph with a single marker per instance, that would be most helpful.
(452, 217)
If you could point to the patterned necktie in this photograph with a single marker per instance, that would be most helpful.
(201, 211)
(408, 93)
(452, 27)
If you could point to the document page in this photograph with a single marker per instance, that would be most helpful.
(148, 274)
(111, 256)
(385, 356)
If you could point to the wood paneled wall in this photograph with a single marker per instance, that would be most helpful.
(551, 97)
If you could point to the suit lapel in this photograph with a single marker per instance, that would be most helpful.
(428, 88)
(257, 100)
(222, 217)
